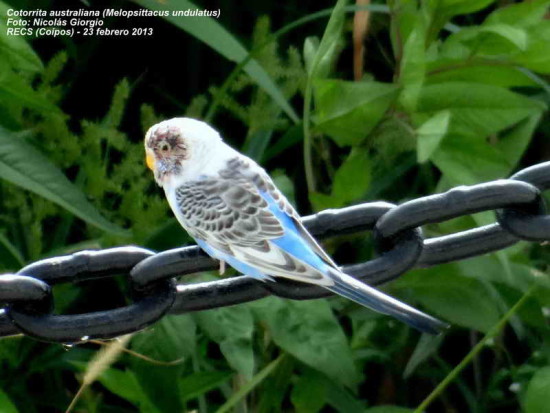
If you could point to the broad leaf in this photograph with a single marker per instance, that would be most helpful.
(478, 71)
(536, 398)
(310, 332)
(231, 328)
(388, 409)
(22, 165)
(425, 348)
(412, 70)
(537, 55)
(476, 109)
(493, 40)
(172, 338)
(6, 405)
(524, 14)
(460, 300)
(441, 11)
(430, 134)
(122, 383)
(450, 8)
(342, 399)
(309, 393)
(348, 111)
(514, 142)
(199, 383)
(352, 179)
(10, 257)
(468, 160)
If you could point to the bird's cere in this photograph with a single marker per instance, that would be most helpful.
(231, 207)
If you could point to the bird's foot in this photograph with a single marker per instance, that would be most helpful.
(222, 267)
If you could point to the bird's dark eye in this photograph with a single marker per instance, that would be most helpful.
(164, 147)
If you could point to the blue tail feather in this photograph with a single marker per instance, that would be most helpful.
(361, 293)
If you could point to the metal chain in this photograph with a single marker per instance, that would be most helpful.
(400, 245)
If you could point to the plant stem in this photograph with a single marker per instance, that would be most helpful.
(477, 348)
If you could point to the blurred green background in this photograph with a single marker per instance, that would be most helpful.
(405, 100)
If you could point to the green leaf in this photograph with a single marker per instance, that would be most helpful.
(341, 399)
(537, 55)
(201, 382)
(458, 299)
(524, 14)
(310, 332)
(430, 134)
(213, 34)
(309, 393)
(468, 160)
(388, 409)
(14, 49)
(6, 405)
(441, 71)
(412, 70)
(122, 383)
(538, 389)
(10, 257)
(311, 45)
(172, 338)
(492, 40)
(476, 109)
(320, 64)
(125, 385)
(14, 89)
(442, 11)
(257, 144)
(514, 35)
(450, 8)
(352, 179)
(22, 165)
(321, 201)
(285, 185)
(247, 388)
(326, 51)
(274, 391)
(231, 328)
(291, 137)
(514, 142)
(425, 348)
(490, 269)
(348, 111)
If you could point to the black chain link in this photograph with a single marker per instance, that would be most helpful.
(28, 304)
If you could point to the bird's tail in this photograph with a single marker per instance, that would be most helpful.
(367, 296)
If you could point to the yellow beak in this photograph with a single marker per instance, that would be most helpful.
(150, 160)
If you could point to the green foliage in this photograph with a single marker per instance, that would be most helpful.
(440, 105)
(209, 31)
(261, 114)
(310, 332)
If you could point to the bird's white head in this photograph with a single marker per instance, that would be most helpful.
(180, 147)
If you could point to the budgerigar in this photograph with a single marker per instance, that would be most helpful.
(231, 207)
